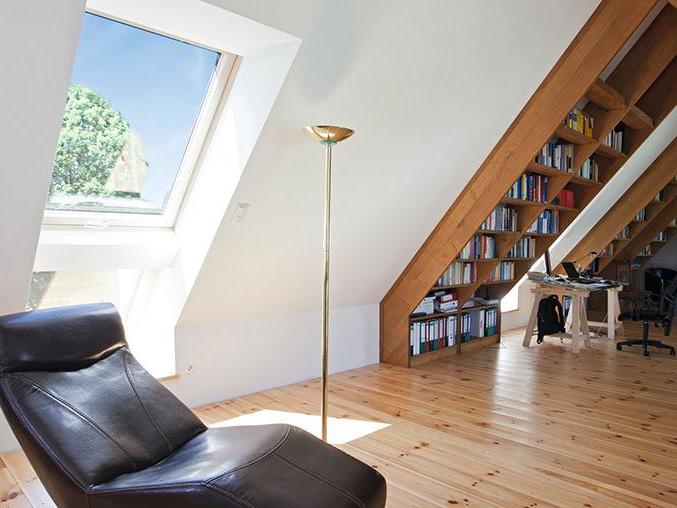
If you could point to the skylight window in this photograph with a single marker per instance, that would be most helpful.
(136, 117)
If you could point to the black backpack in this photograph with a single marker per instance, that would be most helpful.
(550, 317)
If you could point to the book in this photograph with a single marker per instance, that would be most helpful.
(580, 122)
(432, 335)
(615, 139)
(530, 187)
(566, 198)
(546, 223)
(556, 155)
(502, 218)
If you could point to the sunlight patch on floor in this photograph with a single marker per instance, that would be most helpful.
(340, 430)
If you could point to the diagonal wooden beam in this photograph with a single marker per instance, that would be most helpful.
(607, 30)
(638, 196)
(658, 223)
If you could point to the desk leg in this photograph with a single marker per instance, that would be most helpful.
(576, 324)
(569, 319)
(584, 322)
(611, 314)
(617, 306)
(532, 320)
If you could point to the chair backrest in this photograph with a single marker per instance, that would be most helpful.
(81, 406)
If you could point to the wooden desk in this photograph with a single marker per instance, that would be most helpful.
(577, 319)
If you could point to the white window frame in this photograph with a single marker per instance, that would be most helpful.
(220, 81)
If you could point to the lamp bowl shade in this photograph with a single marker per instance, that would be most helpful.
(329, 133)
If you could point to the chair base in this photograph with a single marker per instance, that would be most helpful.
(645, 342)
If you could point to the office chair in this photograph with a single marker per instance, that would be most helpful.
(103, 433)
(644, 308)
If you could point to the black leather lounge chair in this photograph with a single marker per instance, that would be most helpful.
(101, 432)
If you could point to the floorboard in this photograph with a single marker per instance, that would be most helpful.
(501, 426)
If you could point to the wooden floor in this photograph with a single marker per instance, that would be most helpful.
(501, 426)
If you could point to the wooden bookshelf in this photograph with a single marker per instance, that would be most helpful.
(609, 103)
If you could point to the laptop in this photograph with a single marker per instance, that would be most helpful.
(570, 268)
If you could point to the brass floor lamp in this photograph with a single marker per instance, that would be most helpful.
(328, 135)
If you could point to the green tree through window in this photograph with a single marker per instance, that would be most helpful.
(92, 137)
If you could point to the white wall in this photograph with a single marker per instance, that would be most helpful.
(249, 355)
(596, 209)
(37, 47)
(429, 88)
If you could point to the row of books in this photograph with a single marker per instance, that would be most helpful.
(580, 122)
(435, 334)
(623, 234)
(589, 169)
(505, 270)
(479, 246)
(566, 198)
(661, 237)
(646, 251)
(530, 187)
(479, 323)
(458, 272)
(608, 250)
(673, 223)
(660, 196)
(614, 139)
(432, 335)
(641, 215)
(558, 156)
(524, 248)
(502, 218)
(546, 222)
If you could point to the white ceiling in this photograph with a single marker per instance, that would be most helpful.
(429, 88)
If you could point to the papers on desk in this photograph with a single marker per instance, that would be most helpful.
(565, 282)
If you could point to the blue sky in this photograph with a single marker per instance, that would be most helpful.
(156, 82)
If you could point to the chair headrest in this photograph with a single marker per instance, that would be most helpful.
(59, 339)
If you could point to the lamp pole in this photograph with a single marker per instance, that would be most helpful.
(328, 135)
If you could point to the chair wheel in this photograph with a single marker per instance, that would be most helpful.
(672, 352)
(618, 346)
(646, 353)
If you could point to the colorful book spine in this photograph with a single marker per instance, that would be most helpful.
(589, 169)
(580, 122)
(479, 247)
(502, 218)
(432, 335)
(546, 223)
(615, 139)
(525, 247)
(530, 187)
(566, 198)
(558, 156)
(505, 270)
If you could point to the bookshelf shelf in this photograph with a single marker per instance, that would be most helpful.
(605, 96)
(478, 260)
(453, 286)
(497, 282)
(541, 169)
(562, 208)
(607, 151)
(635, 118)
(521, 202)
(434, 315)
(572, 136)
(579, 180)
(422, 358)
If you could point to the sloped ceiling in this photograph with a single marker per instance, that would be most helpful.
(429, 88)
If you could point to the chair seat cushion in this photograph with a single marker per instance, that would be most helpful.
(257, 466)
